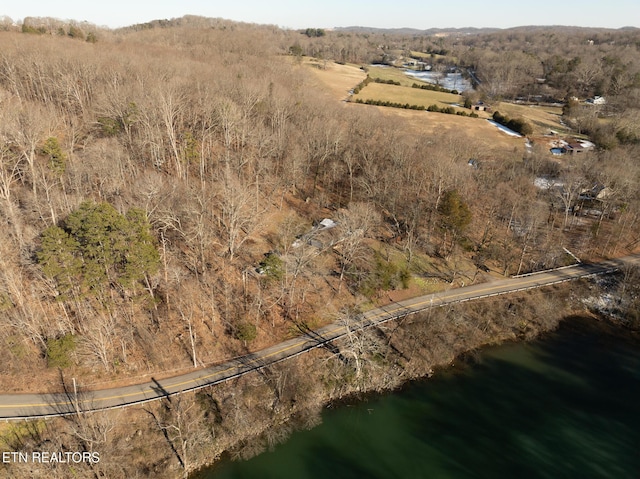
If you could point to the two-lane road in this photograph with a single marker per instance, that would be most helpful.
(17, 406)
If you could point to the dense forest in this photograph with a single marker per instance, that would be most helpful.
(162, 186)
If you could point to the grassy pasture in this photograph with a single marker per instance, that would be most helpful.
(390, 73)
(422, 55)
(337, 79)
(479, 132)
(412, 96)
(542, 118)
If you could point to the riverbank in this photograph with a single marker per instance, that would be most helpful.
(562, 405)
(253, 413)
(412, 349)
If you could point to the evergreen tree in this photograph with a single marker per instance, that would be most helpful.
(57, 158)
(456, 215)
(97, 248)
(58, 256)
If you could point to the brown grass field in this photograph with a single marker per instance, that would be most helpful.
(412, 96)
(542, 118)
(339, 79)
(423, 55)
(477, 131)
(390, 73)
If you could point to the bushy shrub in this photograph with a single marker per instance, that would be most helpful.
(59, 350)
(387, 82)
(391, 104)
(272, 267)
(430, 87)
(246, 332)
(518, 125)
(384, 276)
(498, 117)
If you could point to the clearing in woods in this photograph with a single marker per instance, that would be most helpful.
(543, 119)
(338, 80)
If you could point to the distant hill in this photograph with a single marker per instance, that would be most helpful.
(473, 30)
(415, 31)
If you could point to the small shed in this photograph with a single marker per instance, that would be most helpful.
(575, 147)
(480, 106)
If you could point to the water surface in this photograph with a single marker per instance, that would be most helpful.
(567, 406)
(450, 81)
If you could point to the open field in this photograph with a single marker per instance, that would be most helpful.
(390, 73)
(416, 54)
(421, 55)
(542, 118)
(435, 56)
(412, 96)
(482, 136)
(337, 79)
(340, 79)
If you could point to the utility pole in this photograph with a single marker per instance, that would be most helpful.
(75, 396)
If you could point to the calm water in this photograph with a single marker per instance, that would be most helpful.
(567, 406)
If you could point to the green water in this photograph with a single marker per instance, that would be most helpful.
(567, 406)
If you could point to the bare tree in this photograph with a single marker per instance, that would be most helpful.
(9, 174)
(27, 129)
(572, 183)
(355, 223)
(179, 420)
(186, 313)
(237, 215)
(359, 342)
(172, 105)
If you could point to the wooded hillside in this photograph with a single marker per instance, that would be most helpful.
(176, 193)
(161, 187)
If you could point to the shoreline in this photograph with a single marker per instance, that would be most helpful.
(254, 445)
(251, 414)
(580, 323)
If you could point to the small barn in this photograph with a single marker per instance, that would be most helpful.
(575, 147)
(480, 106)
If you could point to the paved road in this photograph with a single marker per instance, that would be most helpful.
(18, 406)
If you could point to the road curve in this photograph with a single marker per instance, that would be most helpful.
(24, 406)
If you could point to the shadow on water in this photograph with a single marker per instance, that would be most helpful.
(567, 406)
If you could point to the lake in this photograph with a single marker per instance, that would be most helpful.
(565, 406)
